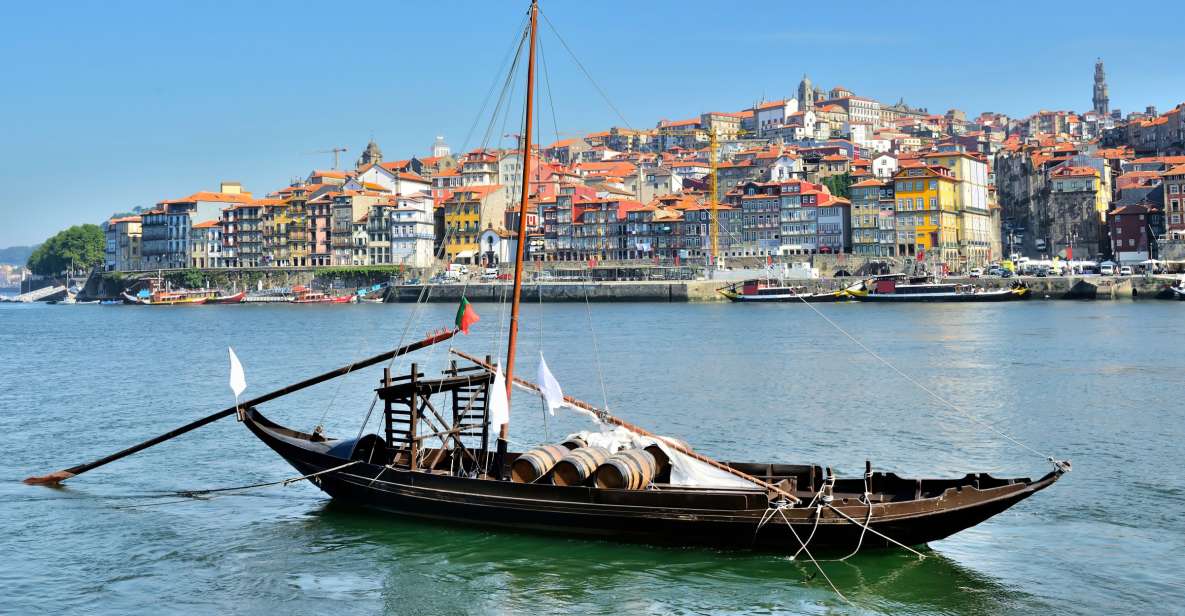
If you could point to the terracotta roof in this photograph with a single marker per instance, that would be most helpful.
(207, 224)
(124, 219)
(1178, 170)
(216, 197)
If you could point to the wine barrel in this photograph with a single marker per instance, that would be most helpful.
(632, 469)
(578, 466)
(661, 460)
(576, 442)
(535, 463)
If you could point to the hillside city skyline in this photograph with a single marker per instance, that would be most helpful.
(141, 129)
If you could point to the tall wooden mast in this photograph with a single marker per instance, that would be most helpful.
(522, 216)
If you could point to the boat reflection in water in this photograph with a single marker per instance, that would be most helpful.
(513, 572)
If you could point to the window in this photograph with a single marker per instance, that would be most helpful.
(933, 184)
(1174, 189)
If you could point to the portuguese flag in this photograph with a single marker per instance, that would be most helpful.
(466, 316)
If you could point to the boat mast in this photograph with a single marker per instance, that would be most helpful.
(522, 218)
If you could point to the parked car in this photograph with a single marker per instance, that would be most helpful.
(1005, 273)
(975, 273)
(1107, 269)
(1126, 270)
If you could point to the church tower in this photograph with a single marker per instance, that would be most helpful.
(372, 155)
(1102, 103)
(806, 94)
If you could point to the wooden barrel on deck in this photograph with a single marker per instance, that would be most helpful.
(576, 442)
(632, 469)
(661, 460)
(579, 465)
(536, 463)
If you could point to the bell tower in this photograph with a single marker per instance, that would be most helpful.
(1102, 103)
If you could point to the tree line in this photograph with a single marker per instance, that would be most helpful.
(80, 247)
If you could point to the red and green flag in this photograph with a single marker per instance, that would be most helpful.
(466, 316)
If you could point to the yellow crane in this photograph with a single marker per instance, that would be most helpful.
(713, 165)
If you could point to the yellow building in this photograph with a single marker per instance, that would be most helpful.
(978, 242)
(926, 213)
(467, 212)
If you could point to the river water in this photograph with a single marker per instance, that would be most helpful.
(1100, 383)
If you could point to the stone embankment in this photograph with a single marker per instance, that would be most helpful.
(1089, 287)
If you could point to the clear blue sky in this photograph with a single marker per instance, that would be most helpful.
(110, 105)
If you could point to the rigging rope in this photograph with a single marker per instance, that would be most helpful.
(585, 71)
(1056, 463)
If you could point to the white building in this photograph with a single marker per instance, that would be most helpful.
(399, 231)
(498, 246)
(884, 166)
(773, 115)
(785, 167)
(399, 183)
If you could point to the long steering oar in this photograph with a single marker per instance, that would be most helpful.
(607, 418)
(62, 475)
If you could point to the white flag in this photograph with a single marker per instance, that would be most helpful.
(549, 388)
(238, 380)
(499, 406)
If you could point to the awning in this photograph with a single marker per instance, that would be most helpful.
(465, 254)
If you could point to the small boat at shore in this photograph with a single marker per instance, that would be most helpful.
(901, 288)
(270, 296)
(169, 298)
(1175, 291)
(766, 290)
(305, 295)
(237, 298)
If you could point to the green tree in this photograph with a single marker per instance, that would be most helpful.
(839, 185)
(81, 246)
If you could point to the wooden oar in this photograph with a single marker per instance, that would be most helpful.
(62, 475)
(606, 417)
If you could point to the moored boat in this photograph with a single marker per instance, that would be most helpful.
(1174, 291)
(237, 298)
(270, 296)
(766, 290)
(305, 295)
(169, 298)
(898, 288)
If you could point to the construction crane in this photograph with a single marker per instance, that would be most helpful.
(334, 151)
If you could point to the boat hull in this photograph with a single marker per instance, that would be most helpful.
(810, 298)
(237, 298)
(730, 519)
(1008, 295)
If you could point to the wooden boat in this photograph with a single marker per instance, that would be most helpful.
(170, 298)
(237, 298)
(270, 296)
(460, 483)
(898, 288)
(765, 290)
(305, 295)
(1175, 291)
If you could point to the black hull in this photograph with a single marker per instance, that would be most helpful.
(821, 298)
(890, 298)
(728, 519)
